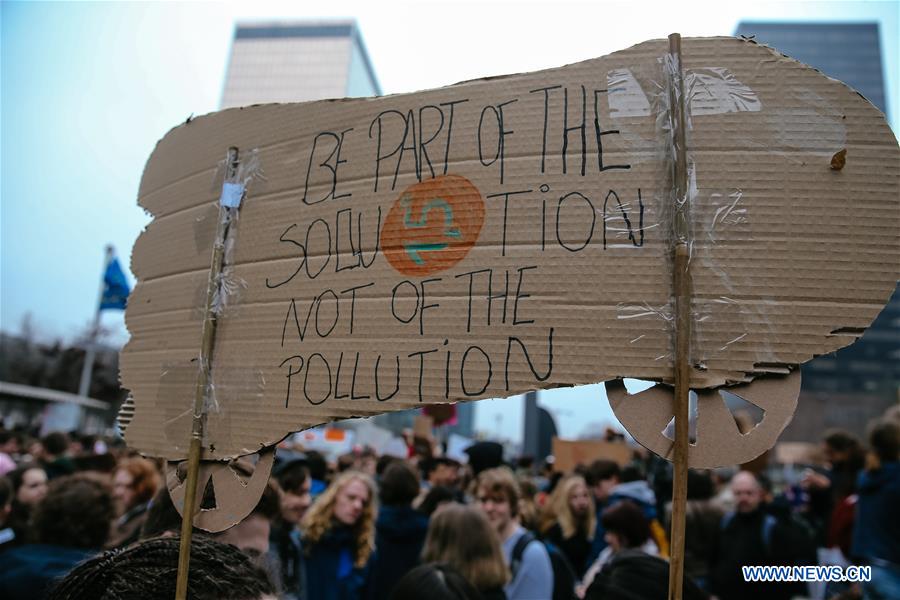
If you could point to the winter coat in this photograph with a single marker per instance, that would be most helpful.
(576, 548)
(29, 571)
(330, 570)
(878, 515)
(399, 538)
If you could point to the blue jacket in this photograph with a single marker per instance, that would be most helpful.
(877, 526)
(399, 537)
(28, 572)
(330, 572)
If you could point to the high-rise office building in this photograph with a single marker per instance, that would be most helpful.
(849, 387)
(296, 62)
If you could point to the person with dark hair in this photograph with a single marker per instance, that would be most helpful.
(634, 487)
(71, 523)
(484, 456)
(440, 471)
(284, 541)
(601, 476)
(54, 457)
(876, 539)
(135, 481)
(626, 528)
(831, 494)
(318, 472)
(435, 498)
(399, 531)
(635, 575)
(29, 486)
(383, 463)
(752, 536)
(148, 570)
(435, 581)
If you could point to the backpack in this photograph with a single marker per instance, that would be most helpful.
(768, 525)
(564, 578)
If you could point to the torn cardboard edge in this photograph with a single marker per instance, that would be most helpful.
(330, 410)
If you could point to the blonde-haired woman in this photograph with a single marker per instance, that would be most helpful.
(575, 520)
(339, 537)
(462, 537)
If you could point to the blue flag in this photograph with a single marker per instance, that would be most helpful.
(115, 287)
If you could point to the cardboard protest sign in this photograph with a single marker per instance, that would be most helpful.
(504, 235)
(568, 454)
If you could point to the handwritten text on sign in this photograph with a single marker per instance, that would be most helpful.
(430, 227)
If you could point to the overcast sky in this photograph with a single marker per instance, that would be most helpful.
(88, 89)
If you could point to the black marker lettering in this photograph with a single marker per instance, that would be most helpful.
(462, 371)
(520, 295)
(396, 383)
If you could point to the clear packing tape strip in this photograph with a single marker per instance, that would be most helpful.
(702, 217)
(699, 220)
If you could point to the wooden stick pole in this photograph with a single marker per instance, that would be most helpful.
(682, 291)
(206, 349)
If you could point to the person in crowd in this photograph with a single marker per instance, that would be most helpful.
(9, 451)
(7, 535)
(135, 481)
(532, 574)
(54, 455)
(573, 522)
(435, 498)
(626, 528)
(434, 581)
(635, 575)
(29, 486)
(71, 524)
(368, 461)
(463, 537)
(399, 531)
(751, 536)
(252, 535)
(318, 472)
(440, 471)
(528, 508)
(149, 570)
(634, 487)
(876, 538)
(484, 455)
(601, 477)
(339, 537)
(830, 509)
(295, 482)
(348, 462)
(702, 518)
(384, 461)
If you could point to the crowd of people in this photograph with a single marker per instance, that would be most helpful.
(82, 517)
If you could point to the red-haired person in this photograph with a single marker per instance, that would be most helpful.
(135, 482)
